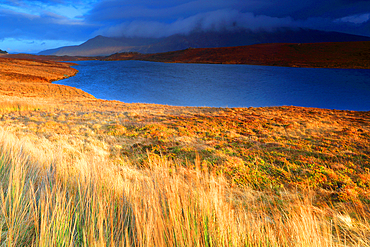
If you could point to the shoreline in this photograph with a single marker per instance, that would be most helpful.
(338, 55)
(21, 84)
(235, 106)
(33, 78)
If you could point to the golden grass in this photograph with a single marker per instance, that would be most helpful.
(19, 105)
(50, 197)
(86, 172)
(29, 78)
(23, 70)
(324, 150)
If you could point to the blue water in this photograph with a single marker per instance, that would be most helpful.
(220, 85)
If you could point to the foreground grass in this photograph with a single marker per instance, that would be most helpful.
(48, 200)
(98, 173)
(326, 151)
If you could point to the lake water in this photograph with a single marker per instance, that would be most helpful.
(220, 85)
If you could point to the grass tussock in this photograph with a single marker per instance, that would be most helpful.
(48, 198)
(19, 105)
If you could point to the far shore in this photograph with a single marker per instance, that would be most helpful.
(344, 55)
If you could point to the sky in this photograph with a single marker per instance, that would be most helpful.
(32, 26)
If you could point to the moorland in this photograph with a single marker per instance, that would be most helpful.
(80, 171)
(350, 55)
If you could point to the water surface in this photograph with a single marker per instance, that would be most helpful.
(220, 85)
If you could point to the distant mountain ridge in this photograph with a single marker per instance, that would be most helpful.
(103, 46)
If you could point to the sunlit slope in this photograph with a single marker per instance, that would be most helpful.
(23, 77)
(351, 55)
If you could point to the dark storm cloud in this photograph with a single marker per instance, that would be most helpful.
(163, 18)
(161, 9)
(314, 8)
(166, 17)
(79, 20)
(210, 21)
(118, 9)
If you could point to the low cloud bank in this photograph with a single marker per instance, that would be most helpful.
(229, 19)
(210, 21)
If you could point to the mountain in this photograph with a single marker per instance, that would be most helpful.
(3, 52)
(102, 46)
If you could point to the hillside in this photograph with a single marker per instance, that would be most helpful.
(351, 55)
(25, 56)
(103, 46)
(318, 55)
(21, 77)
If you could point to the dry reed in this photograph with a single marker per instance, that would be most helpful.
(48, 198)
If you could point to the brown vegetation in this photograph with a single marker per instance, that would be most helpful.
(31, 78)
(26, 56)
(354, 55)
(346, 55)
(79, 171)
